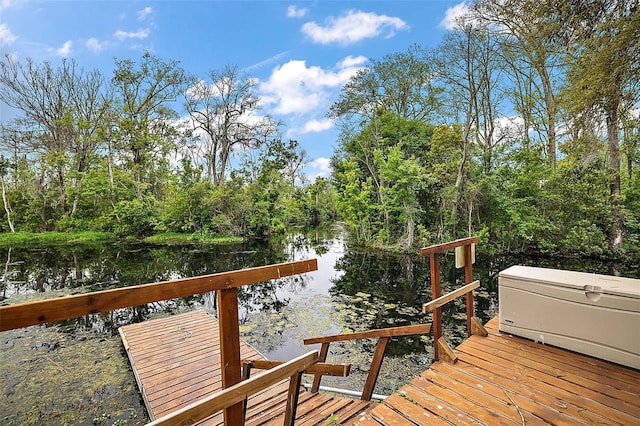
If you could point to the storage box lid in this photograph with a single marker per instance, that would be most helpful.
(607, 284)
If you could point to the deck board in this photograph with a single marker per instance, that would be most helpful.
(497, 380)
(502, 379)
(176, 361)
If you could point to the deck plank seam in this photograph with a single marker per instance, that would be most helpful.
(533, 394)
(551, 378)
(558, 366)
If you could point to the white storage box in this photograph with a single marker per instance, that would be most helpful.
(597, 315)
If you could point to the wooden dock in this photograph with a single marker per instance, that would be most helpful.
(176, 361)
(497, 380)
(506, 380)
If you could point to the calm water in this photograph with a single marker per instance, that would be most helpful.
(351, 291)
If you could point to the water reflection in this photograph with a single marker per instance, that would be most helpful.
(352, 290)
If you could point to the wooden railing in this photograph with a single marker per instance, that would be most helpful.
(383, 336)
(321, 369)
(235, 391)
(434, 251)
(225, 284)
(435, 306)
(238, 393)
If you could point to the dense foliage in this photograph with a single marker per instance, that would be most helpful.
(114, 156)
(522, 127)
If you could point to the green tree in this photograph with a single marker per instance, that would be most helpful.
(401, 83)
(356, 200)
(321, 205)
(64, 110)
(603, 78)
(516, 208)
(401, 179)
(380, 182)
(145, 134)
(528, 31)
(224, 118)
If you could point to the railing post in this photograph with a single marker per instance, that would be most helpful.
(468, 278)
(324, 351)
(292, 399)
(374, 370)
(434, 263)
(230, 350)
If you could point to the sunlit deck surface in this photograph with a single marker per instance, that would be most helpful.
(505, 380)
(176, 361)
(497, 380)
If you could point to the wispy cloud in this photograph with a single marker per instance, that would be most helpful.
(64, 51)
(295, 12)
(267, 61)
(140, 34)
(353, 27)
(95, 45)
(6, 36)
(352, 61)
(453, 14)
(322, 167)
(313, 126)
(144, 13)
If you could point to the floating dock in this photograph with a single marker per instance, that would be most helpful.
(176, 362)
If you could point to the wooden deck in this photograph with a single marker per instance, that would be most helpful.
(497, 380)
(176, 361)
(506, 380)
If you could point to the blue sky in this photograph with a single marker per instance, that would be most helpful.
(300, 52)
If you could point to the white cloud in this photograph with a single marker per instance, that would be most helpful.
(317, 125)
(294, 12)
(353, 27)
(350, 61)
(142, 14)
(453, 14)
(322, 165)
(203, 90)
(508, 128)
(296, 88)
(141, 33)
(5, 4)
(6, 36)
(63, 51)
(95, 45)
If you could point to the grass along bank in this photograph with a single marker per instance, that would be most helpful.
(89, 237)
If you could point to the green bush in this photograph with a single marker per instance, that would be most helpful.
(133, 218)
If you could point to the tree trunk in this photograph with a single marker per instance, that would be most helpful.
(550, 105)
(63, 189)
(631, 137)
(617, 227)
(7, 207)
(74, 206)
(411, 229)
(112, 189)
(460, 173)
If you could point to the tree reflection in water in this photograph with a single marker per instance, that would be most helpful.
(353, 290)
